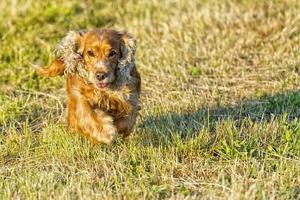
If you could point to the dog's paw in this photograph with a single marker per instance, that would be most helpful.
(106, 132)
(107, 135)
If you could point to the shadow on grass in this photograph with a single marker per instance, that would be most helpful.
(265, 109)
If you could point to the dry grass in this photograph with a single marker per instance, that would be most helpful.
(221, 105)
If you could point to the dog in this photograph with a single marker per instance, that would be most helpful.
(103, 84)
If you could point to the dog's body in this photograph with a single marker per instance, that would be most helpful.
(103, 84)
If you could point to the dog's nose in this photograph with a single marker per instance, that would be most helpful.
(101, 75)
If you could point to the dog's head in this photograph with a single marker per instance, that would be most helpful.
(101, 56)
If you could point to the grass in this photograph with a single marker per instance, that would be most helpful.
(220, 102)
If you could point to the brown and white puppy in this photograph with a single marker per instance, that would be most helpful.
(103, 84)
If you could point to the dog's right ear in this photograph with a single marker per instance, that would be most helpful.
(70, 50)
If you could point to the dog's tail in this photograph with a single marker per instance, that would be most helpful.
(56, 68)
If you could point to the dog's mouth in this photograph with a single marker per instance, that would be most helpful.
(102, 85)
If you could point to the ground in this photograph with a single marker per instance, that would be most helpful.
(220, 102)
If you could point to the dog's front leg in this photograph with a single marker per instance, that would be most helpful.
(113, 103)
(95, 124)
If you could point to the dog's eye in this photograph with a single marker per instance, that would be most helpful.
(90, 53)
(112, 53)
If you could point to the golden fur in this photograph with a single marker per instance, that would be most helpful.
(103, 84)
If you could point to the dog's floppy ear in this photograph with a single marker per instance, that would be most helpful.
(70, 50)
(127, 61)
(68, 58)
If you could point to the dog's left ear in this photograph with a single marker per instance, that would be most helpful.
(127, 61)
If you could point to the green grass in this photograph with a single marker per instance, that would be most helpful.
(220, 102)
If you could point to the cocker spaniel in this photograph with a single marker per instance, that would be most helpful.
(103, 84)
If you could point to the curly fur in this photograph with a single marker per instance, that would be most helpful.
(127, 62)
(68, 51)
(98, 113)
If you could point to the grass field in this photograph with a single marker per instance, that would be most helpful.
(220, 102)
